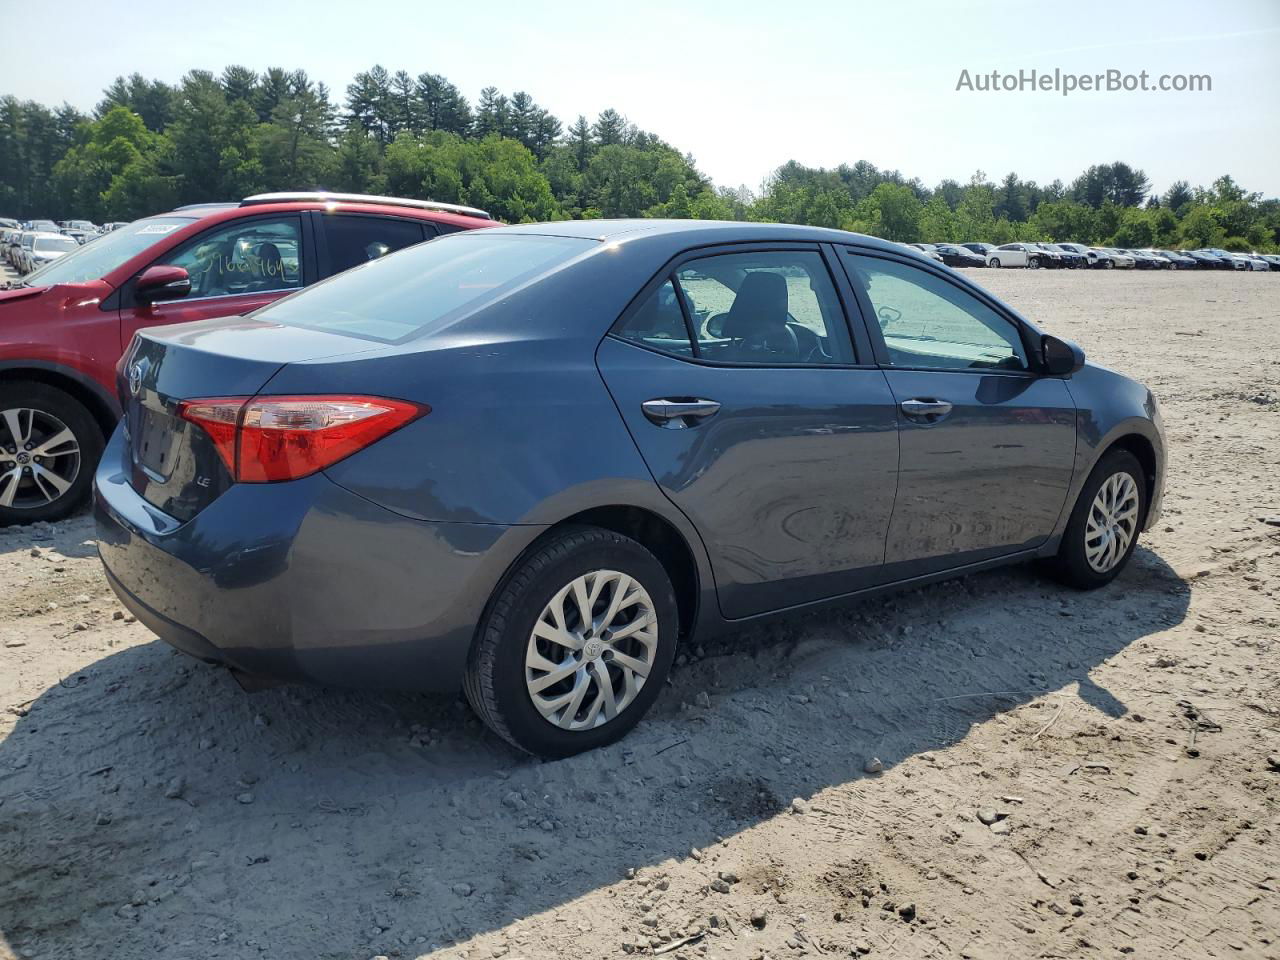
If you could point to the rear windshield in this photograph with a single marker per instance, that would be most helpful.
(424, 287)
(95, 260)
(44, 244)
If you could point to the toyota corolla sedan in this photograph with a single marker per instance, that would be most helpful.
(534, 461)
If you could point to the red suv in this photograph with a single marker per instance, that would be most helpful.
(64, 327)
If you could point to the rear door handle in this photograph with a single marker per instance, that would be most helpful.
(677, 414)
(928, 410)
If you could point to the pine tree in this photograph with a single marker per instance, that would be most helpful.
(610, 128)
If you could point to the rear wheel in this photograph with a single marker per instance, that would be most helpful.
(49, 447)
(1103, 529)
(575, 644)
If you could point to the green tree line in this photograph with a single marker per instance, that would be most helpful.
(149, 146)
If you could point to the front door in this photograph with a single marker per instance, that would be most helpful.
(988, 445)
(738, 380)
(234, 268)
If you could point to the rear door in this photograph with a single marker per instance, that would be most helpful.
(235, 268)
(987, 443)
(737, 377)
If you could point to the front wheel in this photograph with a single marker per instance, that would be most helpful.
(1102, 532)
(49, 448)
(1034, 263)
(995, 261)
(575, 644)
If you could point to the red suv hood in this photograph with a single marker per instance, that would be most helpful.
(63, 294)
(20, 293)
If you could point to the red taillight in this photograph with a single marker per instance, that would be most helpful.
(265, 439)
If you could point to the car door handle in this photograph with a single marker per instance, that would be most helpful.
(675, 414)
(929, 410)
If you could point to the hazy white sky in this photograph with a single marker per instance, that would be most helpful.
(745, 86)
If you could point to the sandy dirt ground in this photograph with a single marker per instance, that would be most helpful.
(1063, 774)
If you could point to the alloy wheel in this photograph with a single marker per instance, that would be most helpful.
(1112, 523)
(591, 650)
(39, 458)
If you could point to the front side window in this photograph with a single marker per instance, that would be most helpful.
(768, 307)
(256, 255)
(928, 322)
(356, 240)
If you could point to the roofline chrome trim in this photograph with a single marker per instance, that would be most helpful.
(321, 196)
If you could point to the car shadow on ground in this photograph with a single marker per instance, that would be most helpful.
(318, 823)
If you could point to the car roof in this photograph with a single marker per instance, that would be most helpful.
(219, 211)
(695, 232)
(201, 217)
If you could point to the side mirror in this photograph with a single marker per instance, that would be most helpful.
(162, 283)
(1062, 358)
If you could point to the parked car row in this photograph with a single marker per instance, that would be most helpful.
(1082, 256)
(11, 231)
(27, 250)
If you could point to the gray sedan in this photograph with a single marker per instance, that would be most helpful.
(533, 461)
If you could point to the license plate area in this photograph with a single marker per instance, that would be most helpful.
(156, 442)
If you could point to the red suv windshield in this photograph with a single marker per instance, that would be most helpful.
(101, 256)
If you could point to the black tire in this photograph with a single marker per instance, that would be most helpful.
(995, 262)
(1108, 264)
(1034, 263)
(1071, 565)
(494, 681)
(72, 413)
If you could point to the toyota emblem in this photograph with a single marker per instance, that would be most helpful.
(135, 378)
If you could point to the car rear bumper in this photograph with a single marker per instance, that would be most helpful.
(303, 580)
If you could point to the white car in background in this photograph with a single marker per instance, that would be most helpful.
(1094, 256)
(1257, 261)
(45, 248)
(1119, 258)
(1016, 255)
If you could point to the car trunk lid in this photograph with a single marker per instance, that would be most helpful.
(174, 464)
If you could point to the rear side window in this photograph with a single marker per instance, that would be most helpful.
(423, 288)
(765, 307)
(356, 240)
(768, 307)
(659, 323)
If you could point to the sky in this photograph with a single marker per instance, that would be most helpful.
(746, 86)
